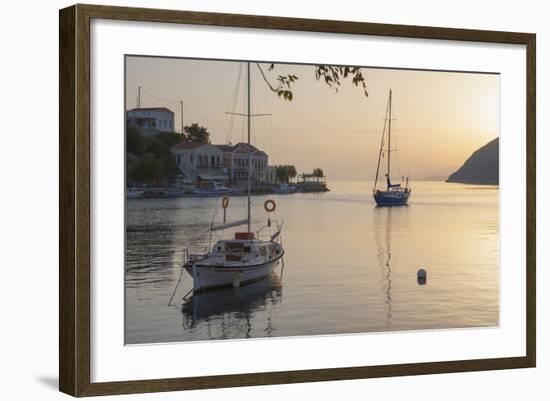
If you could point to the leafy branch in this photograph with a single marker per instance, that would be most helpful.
(284, 83)
(333, 76)
(330, 75)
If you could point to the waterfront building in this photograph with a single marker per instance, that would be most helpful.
(151, 118)
(235, 159)
(200, 161)
(226, 163)
(269, 175)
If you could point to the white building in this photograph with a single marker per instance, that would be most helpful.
(269, 175)
(226, 163)
(200, 161)
(158, 118)
(235, 159)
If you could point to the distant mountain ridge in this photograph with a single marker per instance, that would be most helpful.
(480, 168)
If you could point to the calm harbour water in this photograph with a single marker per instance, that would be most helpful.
(349, 266)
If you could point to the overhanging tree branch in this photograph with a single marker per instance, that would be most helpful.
(331, 75)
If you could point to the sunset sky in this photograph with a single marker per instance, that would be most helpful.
(441, 117)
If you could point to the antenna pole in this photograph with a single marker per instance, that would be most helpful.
(181, 110)
(139, 98)
(248, 128)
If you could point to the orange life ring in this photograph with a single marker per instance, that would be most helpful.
(269, 205)
(225, 202)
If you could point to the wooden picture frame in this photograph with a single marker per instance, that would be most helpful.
(74, 203)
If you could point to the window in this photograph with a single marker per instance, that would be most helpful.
(213, 161)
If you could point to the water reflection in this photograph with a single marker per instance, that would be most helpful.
(452, 231)
(383, 226)
(230, 312)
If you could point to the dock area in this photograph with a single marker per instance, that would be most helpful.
(302, 186)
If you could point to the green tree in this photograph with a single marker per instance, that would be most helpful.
(285, 173)
(160, 147)
(291, 171)
(149, 169)
(157, 147)
(318, 173)
(171, 138)
(197, 133)
(135, 143)
(150, 160)
(333, 76)
(280, 173)
(170, 165)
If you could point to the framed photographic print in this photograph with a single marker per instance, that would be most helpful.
(250, 200)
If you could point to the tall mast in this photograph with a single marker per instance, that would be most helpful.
(248, 116)
(248, 128)
(389, 144)
(381, 145)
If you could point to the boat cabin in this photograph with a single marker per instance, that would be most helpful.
(243, 250)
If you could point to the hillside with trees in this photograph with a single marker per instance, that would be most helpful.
(149, 160)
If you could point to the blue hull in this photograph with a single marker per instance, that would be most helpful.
(383, 199)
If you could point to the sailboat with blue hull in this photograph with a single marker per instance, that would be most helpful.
(393, 194)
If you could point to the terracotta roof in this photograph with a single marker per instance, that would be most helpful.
(241, 148)
(244, 147)
(225, 148)
(161, 109)
(188, 145)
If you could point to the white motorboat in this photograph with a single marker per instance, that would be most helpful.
(133, 193)
(286, 189)
(211, 188)
(245, 257)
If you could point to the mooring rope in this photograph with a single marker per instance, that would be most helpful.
(175, 289)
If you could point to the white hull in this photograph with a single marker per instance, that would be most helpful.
(212, 189)
(208, 277)
(131, 194)
(285, 189)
